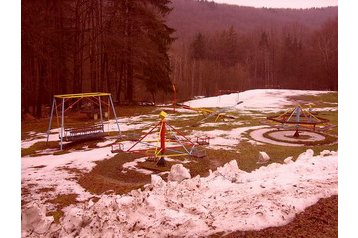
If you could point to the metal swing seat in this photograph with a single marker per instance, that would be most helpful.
(84, 133)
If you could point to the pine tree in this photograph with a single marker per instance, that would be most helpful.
(144, 41)
(198, 47)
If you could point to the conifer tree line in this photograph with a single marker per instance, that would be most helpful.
(73, 46)
(130, 49)
(291, 57)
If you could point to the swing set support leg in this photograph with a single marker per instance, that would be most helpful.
(49, 125)
(115, 115)
(62, 122)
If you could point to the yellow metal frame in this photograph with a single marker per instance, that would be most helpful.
(202, 110)
(304, 112)
(156, 153)
(79, 96)
(82, 95)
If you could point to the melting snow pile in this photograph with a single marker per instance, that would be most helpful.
(263, 158)
(178, 173)
(228, 199)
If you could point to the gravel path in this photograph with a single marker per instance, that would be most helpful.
(287, 135)
(258, 136)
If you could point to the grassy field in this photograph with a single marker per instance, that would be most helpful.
(319, 101)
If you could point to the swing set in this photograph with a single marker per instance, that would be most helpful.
(67, 102)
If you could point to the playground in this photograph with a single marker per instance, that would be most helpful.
(177, 159)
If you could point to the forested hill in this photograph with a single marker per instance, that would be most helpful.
(189, 17)
(128, 49)
(222, 47)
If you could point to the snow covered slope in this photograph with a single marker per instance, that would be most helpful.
(269, 100)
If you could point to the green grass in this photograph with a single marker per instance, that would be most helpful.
(39, 126)
(107, 175)
(127, 111)
(227, 125)
(224, 127)
(38, 147)
(63, 200)
(320, 100)
(332, 116)
(248, 153)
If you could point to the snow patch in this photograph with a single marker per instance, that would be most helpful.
(288, 160)
(263, 158)
(105, 143)
(178, 173)
(305, 155)
(34, 219)
(267, 100)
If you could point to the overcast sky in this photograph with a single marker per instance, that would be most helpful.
(282, 3)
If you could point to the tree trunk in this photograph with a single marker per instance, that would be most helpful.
(40, 87)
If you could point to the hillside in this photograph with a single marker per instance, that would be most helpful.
(229, 47)
(189, 17)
